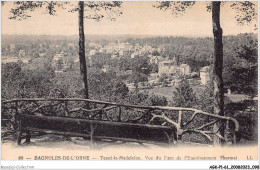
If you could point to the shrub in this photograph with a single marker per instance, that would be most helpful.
(155, 100)
(245, 113)
(184, 96)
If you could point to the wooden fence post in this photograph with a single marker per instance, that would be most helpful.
(20, 132)
(91, 136)
(28, 137)
(66, 109)
(16, 116)
(179, 129)
(119, 114)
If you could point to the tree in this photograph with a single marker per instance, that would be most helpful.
(100, 59)
(96, 11)
(120, 90)
(137, 77)
(155, 53)
(154, 68)
(60, 64)
(106, 86)
(20, 83)
(205, 98)
(140, 69)
(140, 64)
(174, 51)
(183, 96)
(155, 100)
(246, 13)
(10, 80)
(240, 73)
(82, 58)
(217, 66)
(248, 50)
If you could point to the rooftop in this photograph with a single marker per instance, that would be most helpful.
(184, 65)
(205, 69)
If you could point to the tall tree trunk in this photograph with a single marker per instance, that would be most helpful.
(217, 69)
(82, 58)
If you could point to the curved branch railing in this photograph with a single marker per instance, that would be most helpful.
(184, 120)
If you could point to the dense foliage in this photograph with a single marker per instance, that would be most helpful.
(38, 77)
(184, 95)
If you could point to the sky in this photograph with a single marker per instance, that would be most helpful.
(139, 18)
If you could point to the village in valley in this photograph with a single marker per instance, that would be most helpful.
(169, 73)
(166, 74)
(134, 70)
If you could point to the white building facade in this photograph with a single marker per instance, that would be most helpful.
(205, 75)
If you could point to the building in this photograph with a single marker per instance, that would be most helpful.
(71, 45)
(21, 53)
(115, 55)
(128, 72)
(6, 59)
(38, 63)
(109, 49)
(137, 47)
(92, 52)
(167, 67)
(59, 61)
(134, 54)
(123, 52)
(105, 68)
(146, 49)
(124, 46)
(205, 75)
(58, 56)
(153, 76)
(154, 59)
(177, 82)
(42, 54)
(12, 47)
(94, 45)
(160, 49)
(130, 86)
(184, 69)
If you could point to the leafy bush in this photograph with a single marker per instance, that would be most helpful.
(205, 99)
(22, 83)
(245, 113)
(184, 96)
(155, 100)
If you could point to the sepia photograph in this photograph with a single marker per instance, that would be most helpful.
(129, 80)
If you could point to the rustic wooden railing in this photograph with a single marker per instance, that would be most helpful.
(191, 125)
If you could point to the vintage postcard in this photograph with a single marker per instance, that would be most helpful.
(130, 80)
